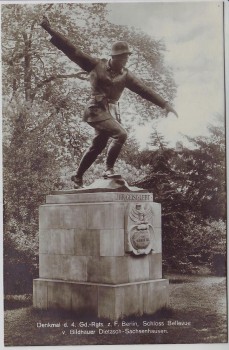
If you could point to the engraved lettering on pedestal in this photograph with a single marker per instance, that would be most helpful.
(139, 233)
(130, 197)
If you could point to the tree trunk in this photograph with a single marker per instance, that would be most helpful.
(27, 67)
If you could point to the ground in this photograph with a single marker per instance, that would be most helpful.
(197, 314)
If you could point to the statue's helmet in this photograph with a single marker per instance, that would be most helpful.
(119, 48)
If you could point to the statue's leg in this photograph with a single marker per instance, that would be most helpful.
(98, 144)
(103, 131)
(119, 136)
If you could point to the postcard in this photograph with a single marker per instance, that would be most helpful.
(114, 173)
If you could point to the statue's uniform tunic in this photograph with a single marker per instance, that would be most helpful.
(106, 89)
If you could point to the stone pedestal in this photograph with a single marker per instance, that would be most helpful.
(101, 252)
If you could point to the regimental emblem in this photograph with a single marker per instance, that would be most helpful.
(139, 228)
(141, 213)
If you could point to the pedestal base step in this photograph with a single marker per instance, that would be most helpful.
(101, 300)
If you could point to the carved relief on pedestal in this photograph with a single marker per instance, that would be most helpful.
(139, 232)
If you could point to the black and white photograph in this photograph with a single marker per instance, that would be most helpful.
(114, 162)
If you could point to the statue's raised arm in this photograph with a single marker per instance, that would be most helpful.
(85, 61)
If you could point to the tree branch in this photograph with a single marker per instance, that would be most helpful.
(78, 75)
(43, 124)
(136, 64)
(42, 62)
(49, 7)
(32, 28)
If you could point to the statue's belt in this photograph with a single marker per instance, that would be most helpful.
(111, 105)
(103, 98)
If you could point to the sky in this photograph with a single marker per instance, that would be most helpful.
(193, 35)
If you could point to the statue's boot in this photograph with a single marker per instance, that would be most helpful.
(78, 182)
(109, 172)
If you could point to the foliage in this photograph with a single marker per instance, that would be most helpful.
(190, 185)
(207, 244)
(206, 170)
(20, 257)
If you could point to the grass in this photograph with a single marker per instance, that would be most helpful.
(17, 301)
(198, 301)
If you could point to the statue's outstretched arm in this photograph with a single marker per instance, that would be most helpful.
(85, 61)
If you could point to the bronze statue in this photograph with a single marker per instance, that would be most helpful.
(108, 78)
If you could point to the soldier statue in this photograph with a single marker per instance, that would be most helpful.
(108, 78)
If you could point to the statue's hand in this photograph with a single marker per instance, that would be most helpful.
(169, 109)
(45, 23)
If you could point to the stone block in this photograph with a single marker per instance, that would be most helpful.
(74, 268)
(101, 270)
(106, 301)
(40, 294)
(124, 269)
(157, 240)
(73, 216)
(100, 216)
(50, 266)
(69, 242)
(119, 215)
(59, 295)
(112, 270)
(155, 266)
(119, 300)
(133, 300)
(85, 298)
(62, 216)
(62, 241)
(87, 242)
(63, 198)
(112, 242)
(57, 241)
(138, 268)
(44, 241)
(155, 296)
(156, 214)
(63, 267)
(74, 196)
(49, 216)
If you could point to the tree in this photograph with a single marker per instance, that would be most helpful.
(190, 185)
(39, 132)
(206, 166)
